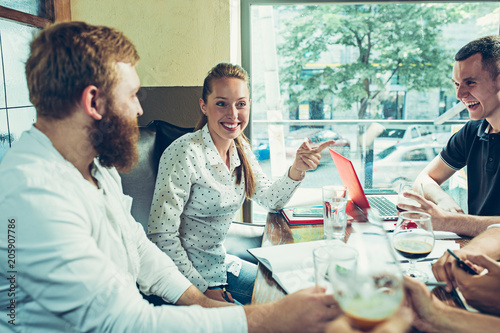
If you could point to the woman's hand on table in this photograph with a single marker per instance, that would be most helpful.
(219, 294)
(307, 158)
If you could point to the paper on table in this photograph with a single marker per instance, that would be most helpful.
(291, 265)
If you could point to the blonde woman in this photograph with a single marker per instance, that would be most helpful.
(203, 179)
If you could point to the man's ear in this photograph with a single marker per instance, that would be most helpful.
(92, 103)
(203, 106)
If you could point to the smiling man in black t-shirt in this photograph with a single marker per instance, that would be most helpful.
(477, 84)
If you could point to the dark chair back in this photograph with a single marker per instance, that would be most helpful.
(140, 182)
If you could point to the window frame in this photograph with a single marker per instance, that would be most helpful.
(57, 11)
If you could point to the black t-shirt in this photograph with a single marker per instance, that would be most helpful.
(473, 147)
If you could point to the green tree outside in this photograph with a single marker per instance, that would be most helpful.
(392, 42)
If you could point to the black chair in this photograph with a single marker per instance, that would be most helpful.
(140, 185)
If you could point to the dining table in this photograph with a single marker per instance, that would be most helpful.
(277, 231)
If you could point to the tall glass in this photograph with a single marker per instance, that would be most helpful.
(368, 284)
(334, 211)
(413, 238)
(322, 257)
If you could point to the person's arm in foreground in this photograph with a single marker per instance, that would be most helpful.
(481, 291)
(308, 310)
(487, 243)
(432, 315)
(69, 276)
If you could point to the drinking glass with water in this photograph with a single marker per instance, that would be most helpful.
(334, 211)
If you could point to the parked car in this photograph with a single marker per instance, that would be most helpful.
(342, 145)
(402, 162)
(391, 136)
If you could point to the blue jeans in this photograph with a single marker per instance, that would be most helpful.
(241, 287)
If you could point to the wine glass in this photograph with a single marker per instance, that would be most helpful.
(413, 238)
(408, 187)
(366, 279)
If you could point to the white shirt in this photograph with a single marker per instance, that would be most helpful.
(79, 254)
(194, 204)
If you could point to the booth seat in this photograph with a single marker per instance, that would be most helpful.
(140, 185)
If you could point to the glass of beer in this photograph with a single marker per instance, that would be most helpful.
(413, 238)
(366, 280)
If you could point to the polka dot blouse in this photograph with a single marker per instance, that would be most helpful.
(194, 203)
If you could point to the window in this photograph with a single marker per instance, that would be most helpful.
(377, 74)
(19, 22)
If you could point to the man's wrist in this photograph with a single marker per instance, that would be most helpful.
(445, 319)
(260, 317)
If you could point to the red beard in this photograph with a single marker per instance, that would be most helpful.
(115, 140)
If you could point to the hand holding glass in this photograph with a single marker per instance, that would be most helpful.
(368, 291)
(408, 187)
(334, 211)
(413, 238)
